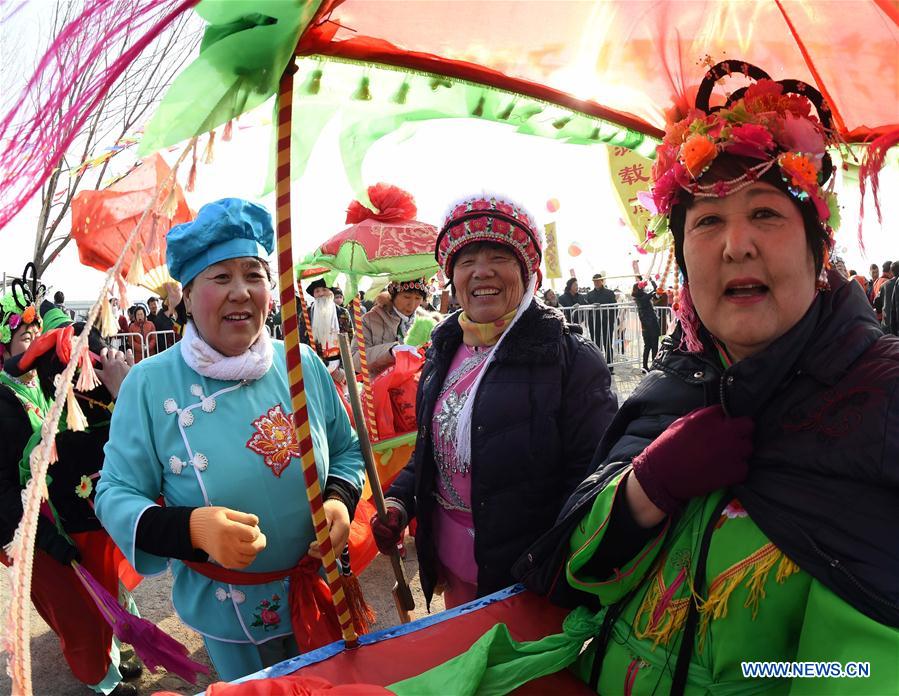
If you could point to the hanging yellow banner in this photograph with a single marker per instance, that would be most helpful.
(551, 252)
(630, 174)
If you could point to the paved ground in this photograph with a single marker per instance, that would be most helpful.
(51, 677)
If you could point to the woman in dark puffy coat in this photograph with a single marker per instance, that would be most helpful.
(511, 406)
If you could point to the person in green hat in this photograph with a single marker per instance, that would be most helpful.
(68, 530)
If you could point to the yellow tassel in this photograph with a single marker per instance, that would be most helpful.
(786, 568)
(757, 581)
(136, 272)
(209, 155)
(75, 420)
(108, 326)
(87, 379)
(715, 606)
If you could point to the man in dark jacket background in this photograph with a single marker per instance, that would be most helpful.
(602, 321)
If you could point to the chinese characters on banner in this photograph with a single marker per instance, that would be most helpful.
(551, 252)
(630, 173)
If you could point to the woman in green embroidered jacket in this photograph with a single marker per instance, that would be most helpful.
(745, 500)
(763, 526)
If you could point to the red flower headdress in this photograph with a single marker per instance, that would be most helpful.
(771, 122)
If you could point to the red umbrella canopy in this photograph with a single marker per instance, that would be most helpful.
(632, 57)
(103, 220)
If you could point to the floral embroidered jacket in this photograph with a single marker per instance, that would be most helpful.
(200, 441)
(757, 606)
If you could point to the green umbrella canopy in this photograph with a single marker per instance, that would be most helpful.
(385, 242)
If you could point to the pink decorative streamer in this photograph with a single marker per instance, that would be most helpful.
(689, 320)
(154, 647)
(29, 151)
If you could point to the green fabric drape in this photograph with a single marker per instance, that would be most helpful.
(246, 46)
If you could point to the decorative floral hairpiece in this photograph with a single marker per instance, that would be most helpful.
(767, 121)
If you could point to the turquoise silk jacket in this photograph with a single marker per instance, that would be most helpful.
(198, 441)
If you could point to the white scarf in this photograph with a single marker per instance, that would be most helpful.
(463, 424)
(405, 322)
(207, 361)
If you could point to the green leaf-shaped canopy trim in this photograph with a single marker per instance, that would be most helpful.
(374, 100)
(246, 46)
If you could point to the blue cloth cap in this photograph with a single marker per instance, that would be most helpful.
(229, 228)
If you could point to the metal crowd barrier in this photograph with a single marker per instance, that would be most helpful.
(129, 339)
(617, 330)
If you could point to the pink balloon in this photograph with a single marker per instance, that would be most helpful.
(552, 205)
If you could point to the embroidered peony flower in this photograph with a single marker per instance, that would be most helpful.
(505, 208)
(480, 204)
(697, 154)
(750, 140)
(84, 488)
(276, 598)
(269, 617)
(220, 594)
(264, 603)
(275, 439)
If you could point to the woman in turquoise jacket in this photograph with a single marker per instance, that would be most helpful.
(207, 428)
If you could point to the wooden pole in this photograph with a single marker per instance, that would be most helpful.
(294, 363)
(402, 595)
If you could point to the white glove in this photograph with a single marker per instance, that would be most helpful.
(402, 347)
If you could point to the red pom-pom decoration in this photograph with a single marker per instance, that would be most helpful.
(392, 204)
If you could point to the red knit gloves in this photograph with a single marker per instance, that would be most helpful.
(388, 532)
(698, 453)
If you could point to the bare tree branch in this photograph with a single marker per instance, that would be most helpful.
(127, 104)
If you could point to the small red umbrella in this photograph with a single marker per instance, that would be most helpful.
(102, 221)
(385, 242)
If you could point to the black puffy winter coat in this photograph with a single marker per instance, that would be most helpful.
(823, 480)
(540, 412)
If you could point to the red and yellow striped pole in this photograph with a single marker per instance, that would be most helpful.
(305, 309)
(294, 364)
(371, 423)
